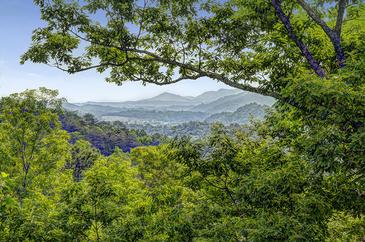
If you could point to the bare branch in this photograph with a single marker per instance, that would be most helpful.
(315, 16)
(340, 16)
(145, 2)
(334, 35)
(303, 48)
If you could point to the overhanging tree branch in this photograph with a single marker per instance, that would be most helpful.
(155, 57)
(314, 64)
(333, 34)
(202, 73)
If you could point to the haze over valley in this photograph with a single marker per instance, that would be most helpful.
(225, 105)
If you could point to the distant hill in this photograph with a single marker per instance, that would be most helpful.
(173, 108)
(164, 99)
(169, 101)
(240, 116)
(70, 106)
(169, 97)
(232, 102)
(153, 115)
(96, 110)
(212, 96)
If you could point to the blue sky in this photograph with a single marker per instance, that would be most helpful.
(18, 18)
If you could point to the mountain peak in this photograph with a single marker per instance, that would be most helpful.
(167, 96)
(211, 96)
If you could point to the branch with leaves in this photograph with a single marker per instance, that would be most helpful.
(163, 42)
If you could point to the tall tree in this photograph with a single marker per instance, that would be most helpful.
(33, 151)
(32, 140)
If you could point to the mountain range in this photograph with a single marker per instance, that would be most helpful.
(221, 105)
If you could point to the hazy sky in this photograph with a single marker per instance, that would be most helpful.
(17, 20)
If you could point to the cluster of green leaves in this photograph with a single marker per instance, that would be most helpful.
(54, 190)
(289, 179)
(257, 46)
(283, 179)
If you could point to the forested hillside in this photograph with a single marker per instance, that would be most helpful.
(55, 187)
(106, 136)
(296, 174)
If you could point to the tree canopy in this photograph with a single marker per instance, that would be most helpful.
(258, 46)
(287, 178)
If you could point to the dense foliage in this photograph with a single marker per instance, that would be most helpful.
(193, 129)
(259, 184)
(106, 136)
(258, 46)
(297, 176)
